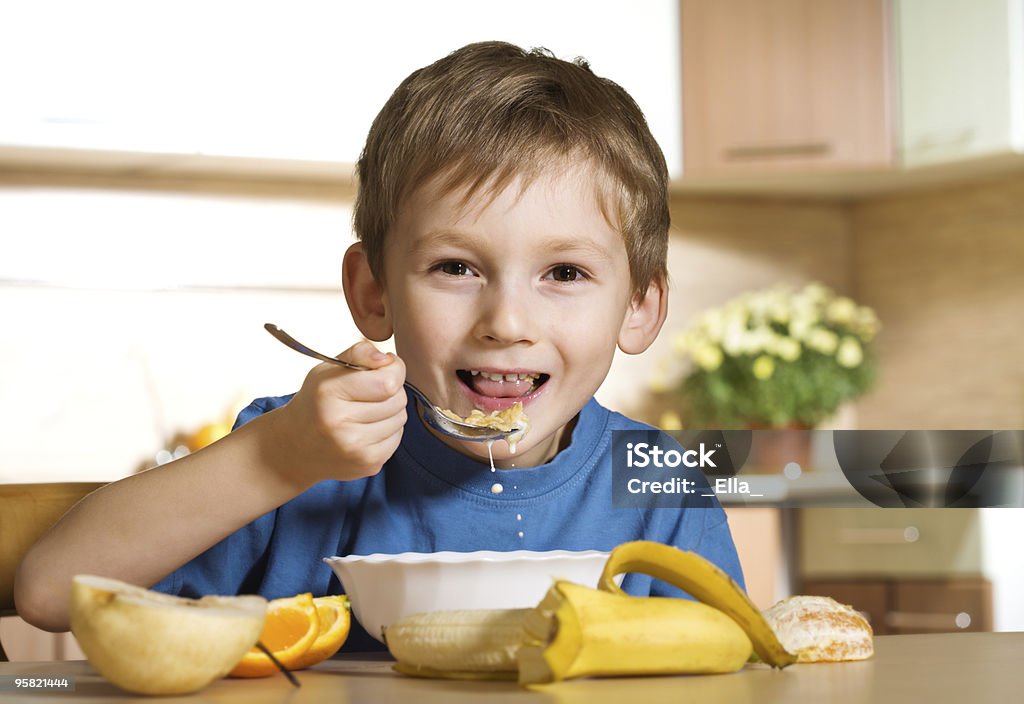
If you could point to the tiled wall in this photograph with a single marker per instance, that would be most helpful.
(945, 271)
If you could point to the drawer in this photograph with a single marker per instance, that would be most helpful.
(877, 542)
(935, 606)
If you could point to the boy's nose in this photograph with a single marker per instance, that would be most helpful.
(504, 317)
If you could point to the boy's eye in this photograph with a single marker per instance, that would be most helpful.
(565, 273)
(454, 268)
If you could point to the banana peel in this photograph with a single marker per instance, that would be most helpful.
(579, 631)
(702, 580)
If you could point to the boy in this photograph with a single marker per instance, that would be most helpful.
(513, 226)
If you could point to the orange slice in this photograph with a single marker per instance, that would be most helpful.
(291, 628)
(335, 621)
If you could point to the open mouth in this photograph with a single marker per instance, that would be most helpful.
(495, 385)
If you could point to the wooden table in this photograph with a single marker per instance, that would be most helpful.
(966, 668)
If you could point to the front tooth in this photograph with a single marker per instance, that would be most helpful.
(505, 377)
(473, 372)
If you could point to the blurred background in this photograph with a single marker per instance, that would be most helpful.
(173, 175)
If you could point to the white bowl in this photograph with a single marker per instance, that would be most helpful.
(383, 588)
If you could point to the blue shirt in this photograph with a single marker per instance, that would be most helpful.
(429, 497)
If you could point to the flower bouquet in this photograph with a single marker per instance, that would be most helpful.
(776, 358)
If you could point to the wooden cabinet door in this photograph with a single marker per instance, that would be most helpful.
(937, 606)
(961, 78)
(890, 542)
(784, 85)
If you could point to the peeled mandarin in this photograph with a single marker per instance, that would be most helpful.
(291, 628)
(335, 621)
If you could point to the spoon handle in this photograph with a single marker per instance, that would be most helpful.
(299, 347)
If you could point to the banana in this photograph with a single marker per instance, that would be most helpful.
(579, 631)
(702, 580)
(467, 644)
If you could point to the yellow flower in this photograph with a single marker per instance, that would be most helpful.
(670, 420)
(800, 326)
(764, 367)
(787, 348)
(817, 292)
(805, 308)
(866, 323)
(756, 341)
(779, 311)
(734, 339)
(822, 340)
(841, 310)
(850, 354)
(708, 356)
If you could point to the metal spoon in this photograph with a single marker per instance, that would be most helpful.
(432, 414)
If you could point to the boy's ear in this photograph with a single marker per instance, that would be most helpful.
(644, 318)
(365, 296)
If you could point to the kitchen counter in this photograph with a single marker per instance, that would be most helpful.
(955, 667)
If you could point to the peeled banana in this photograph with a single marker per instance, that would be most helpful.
(704, 581)
(468, 644)
(579, 631)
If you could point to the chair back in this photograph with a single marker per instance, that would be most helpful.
(26, 512)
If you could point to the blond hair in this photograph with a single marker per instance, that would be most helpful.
(491, 112)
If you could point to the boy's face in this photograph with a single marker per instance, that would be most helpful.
(519, 298)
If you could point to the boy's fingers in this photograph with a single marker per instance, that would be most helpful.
(373, 411)
(380, 452)
(365, 354)
(373, 385)
(382, 429)
(373, 446)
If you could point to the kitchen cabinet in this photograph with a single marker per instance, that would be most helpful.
(785, 85)
(907, 570)
(890, 542)
(903, 606)
(962, 78)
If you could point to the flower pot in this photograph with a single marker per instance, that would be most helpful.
(772, 449)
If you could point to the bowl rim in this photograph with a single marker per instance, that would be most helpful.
(456, 557)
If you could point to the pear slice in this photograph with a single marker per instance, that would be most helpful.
(151, 643)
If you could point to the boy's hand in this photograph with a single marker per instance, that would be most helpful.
(344, 423)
